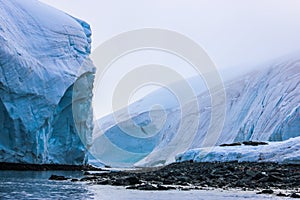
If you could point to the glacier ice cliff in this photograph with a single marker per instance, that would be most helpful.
(46, 80)
(263, 105)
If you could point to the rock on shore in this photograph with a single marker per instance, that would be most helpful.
(267, 178)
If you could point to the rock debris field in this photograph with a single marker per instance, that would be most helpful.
(265, 178)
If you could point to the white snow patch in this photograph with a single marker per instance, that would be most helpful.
(280, 152)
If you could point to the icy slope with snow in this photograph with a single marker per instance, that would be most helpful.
(262, 105)
(43, 57)
(287, 151)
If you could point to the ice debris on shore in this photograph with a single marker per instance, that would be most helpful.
(285, 152)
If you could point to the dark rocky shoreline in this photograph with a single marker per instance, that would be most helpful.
(267, 178)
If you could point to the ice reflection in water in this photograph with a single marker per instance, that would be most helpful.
(35, 185)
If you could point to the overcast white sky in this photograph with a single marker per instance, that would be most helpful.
(236, 34)
(233, 32)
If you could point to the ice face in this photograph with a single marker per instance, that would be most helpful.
(43, 60)
(262, 106)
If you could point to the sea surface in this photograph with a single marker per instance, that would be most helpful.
(35, 185)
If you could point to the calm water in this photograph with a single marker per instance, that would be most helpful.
(35, 185)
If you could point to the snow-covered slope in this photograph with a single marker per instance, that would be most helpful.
(287, 151)
(43, 57)
(262, 105)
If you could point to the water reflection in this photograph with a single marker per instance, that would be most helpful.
(35, 185)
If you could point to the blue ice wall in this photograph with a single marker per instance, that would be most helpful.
(46, 81)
